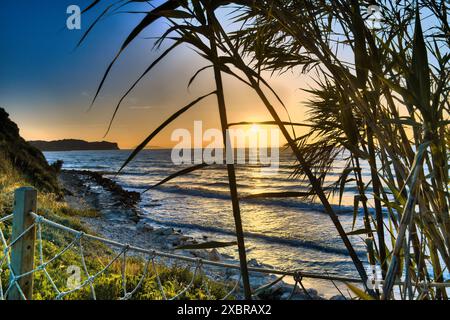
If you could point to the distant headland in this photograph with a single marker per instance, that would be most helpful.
(73, 145)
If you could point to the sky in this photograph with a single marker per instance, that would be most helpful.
(47, 82)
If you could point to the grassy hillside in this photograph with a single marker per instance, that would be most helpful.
(26, 159)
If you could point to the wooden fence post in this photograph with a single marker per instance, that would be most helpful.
(22, 251)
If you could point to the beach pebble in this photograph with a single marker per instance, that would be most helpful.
(255, 263)
(295, 297)
(177, 239)
(312, 292)
(272, 293)
(214, 255)
(184, 239)
(299, 294)
(144, 226)
(202, 254)
(164, 231)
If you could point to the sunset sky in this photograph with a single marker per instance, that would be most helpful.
(46, 83)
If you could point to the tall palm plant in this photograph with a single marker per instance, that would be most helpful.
(390, 68)
(190, 23)
(387, 107)
(202, 12)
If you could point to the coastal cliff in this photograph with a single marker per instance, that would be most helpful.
(23, 157)
(73, 145)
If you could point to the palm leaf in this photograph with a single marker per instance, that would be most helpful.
(144, 143)
(150, 18)
(420, 71)
(279, 195)
(177, 174)
(359, 293)
(206, 245)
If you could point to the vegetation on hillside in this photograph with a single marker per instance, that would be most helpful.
(26, 158)
(22, 165)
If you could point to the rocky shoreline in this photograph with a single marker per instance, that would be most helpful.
(119, 220)
(124, 198)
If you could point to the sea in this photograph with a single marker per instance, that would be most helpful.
(284, 233)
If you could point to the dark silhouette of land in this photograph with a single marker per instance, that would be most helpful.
(73, 145)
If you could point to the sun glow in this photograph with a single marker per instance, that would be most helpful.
(255, 128)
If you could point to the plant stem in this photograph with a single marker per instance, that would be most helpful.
(376, 186)
(230, 166)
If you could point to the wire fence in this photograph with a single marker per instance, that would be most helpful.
(121, 252)
(76, 242)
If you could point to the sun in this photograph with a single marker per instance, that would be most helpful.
(255, 128)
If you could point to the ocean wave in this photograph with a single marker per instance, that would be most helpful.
(296, 243)
(288, 203)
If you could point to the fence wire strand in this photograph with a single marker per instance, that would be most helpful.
(150, 264)
(90, 279)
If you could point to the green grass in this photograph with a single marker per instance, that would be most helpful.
(109, 285)
(27, 159)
